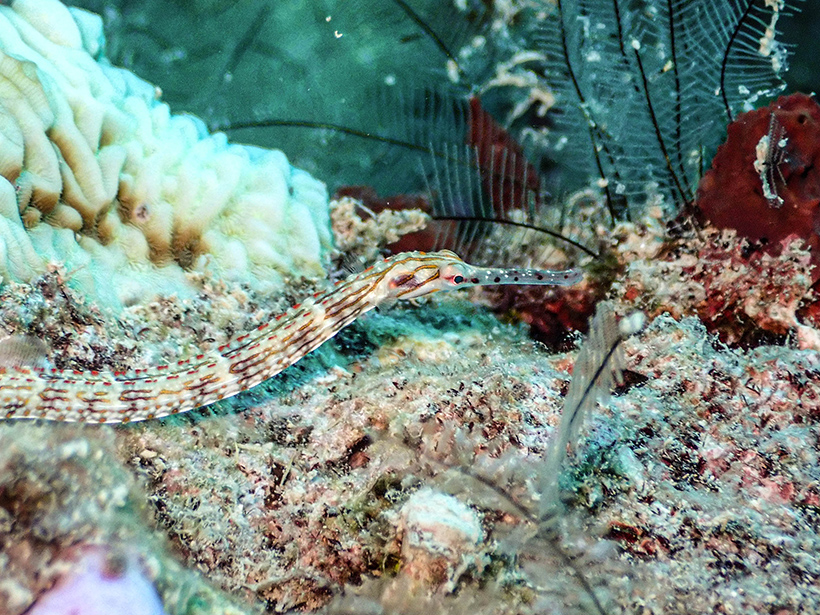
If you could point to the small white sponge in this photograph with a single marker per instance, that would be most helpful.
(96, 175)
(441, 538)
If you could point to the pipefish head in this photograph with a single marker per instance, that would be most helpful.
(415, 274)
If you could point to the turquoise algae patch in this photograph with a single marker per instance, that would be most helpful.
(99, 178)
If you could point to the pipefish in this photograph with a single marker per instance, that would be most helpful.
(248, 359)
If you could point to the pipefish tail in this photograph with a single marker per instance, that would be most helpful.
(120, 397)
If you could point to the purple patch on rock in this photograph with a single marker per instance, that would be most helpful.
(101, 583)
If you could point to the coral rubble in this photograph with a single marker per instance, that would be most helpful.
(441, 537)
(742, 295)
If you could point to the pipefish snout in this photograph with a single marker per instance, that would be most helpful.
(249, 359)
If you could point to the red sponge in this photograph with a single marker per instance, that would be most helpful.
(765, 179)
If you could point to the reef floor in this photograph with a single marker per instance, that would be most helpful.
(388, 471)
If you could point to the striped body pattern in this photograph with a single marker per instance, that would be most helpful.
(249, 359)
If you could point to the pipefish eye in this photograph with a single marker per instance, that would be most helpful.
(458, 279)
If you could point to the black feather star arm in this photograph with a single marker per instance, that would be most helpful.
(644, 89)
(489, 212)
(479, 182)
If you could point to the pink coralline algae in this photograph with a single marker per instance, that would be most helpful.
(101, 583)
(743, 297)
(765, 179)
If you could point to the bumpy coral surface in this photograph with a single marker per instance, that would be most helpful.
(765, 179)
(99, 176)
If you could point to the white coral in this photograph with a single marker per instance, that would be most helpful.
(100, 177)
